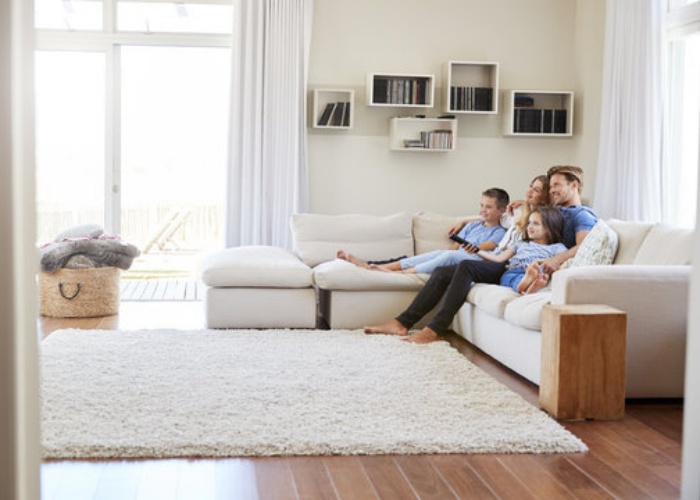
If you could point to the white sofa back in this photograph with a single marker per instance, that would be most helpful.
(645, 243)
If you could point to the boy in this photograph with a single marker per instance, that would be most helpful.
(484, 234)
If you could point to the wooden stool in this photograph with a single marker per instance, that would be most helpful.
(583, 361)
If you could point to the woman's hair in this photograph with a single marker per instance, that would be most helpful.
(521, 222)
(553, 222)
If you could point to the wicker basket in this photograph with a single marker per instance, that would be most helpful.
(79, 293)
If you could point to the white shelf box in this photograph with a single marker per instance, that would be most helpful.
(333, 108)
(403, 91)
(538, 113)
(423, 135)
(471, 87)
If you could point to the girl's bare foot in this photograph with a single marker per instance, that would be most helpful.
(425, 336)
(532, 273)
(538, 284)
(392, 327)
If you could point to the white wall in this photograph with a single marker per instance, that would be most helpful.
(534, 41)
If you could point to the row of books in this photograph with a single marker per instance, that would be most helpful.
(433, 139)
(541, 121)
(471, 98)
(335, 114)
(399, 91)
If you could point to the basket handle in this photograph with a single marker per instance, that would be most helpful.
(60, 290)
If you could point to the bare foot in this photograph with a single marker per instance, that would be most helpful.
(538, 284)
(392, 327)
(342, 254)
(425, 336)
(532, 273)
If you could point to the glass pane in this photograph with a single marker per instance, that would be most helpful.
(174, 17)
(68, 14)
(684, 129)
(174, 144)
(70, 132)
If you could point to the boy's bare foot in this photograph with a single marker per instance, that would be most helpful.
(392, 327)
(425, 336)
(342, 254)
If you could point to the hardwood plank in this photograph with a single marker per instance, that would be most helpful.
(461, 478)
(274, 479)
(609, 479)
(311, 478)
(235, 478)
(159, 480)
(666, 417)
(625, 461)
(497, 476)
(119, 480)
(387, 479)
(349, 478)
(538, 479)
(58, 480)
(424, 479)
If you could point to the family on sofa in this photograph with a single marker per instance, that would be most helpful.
(535, 248)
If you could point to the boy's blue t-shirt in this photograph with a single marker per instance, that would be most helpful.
(476, 233)
(576, 218)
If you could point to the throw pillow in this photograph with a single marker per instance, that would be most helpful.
(598, 248)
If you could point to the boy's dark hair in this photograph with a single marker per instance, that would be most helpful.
(553, 222)
(500, 195)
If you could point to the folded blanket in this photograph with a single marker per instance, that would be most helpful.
(80, 253)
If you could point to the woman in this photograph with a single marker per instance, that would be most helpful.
(454, 282)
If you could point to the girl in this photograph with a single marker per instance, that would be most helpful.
(541, 241)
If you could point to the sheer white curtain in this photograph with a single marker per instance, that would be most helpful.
(628, 179)
(267, 176)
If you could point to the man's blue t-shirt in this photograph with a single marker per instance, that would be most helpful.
(576, 218)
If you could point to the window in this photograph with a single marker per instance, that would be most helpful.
(132, 120)
(682, 112)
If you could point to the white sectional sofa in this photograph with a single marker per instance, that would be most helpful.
(267, 287)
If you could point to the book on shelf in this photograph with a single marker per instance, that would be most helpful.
(326, 115)
(436, 139)
(337, 116)
(539, 121)
(399, 91)
(346, 115)
(471, 98)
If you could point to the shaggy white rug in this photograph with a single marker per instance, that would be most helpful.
(171, 393)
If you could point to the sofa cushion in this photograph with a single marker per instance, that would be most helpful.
(430, 230)
(256, 266)
(317, 237)
(492, 299)
(598, 248)
(526, 310)
(666, 244)
(629, 238)
(341, 275)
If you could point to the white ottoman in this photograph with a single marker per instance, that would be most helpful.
(258, 287)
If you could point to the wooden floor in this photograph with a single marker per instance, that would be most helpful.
(634, 458)
(170, 289)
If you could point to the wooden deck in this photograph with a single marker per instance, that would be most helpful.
(161, 289)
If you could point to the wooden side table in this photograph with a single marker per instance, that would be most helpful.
(583, 361)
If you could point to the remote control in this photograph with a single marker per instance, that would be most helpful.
(460, 240)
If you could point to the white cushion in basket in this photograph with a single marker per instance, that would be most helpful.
(318, 237)
(256, 266)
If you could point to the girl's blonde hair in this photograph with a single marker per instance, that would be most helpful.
(521, 221)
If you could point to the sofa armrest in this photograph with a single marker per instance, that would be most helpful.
(624, 286)
(656, 299)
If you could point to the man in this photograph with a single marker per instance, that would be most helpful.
(565, 186)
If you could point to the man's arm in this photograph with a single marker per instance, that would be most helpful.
(553, 263)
